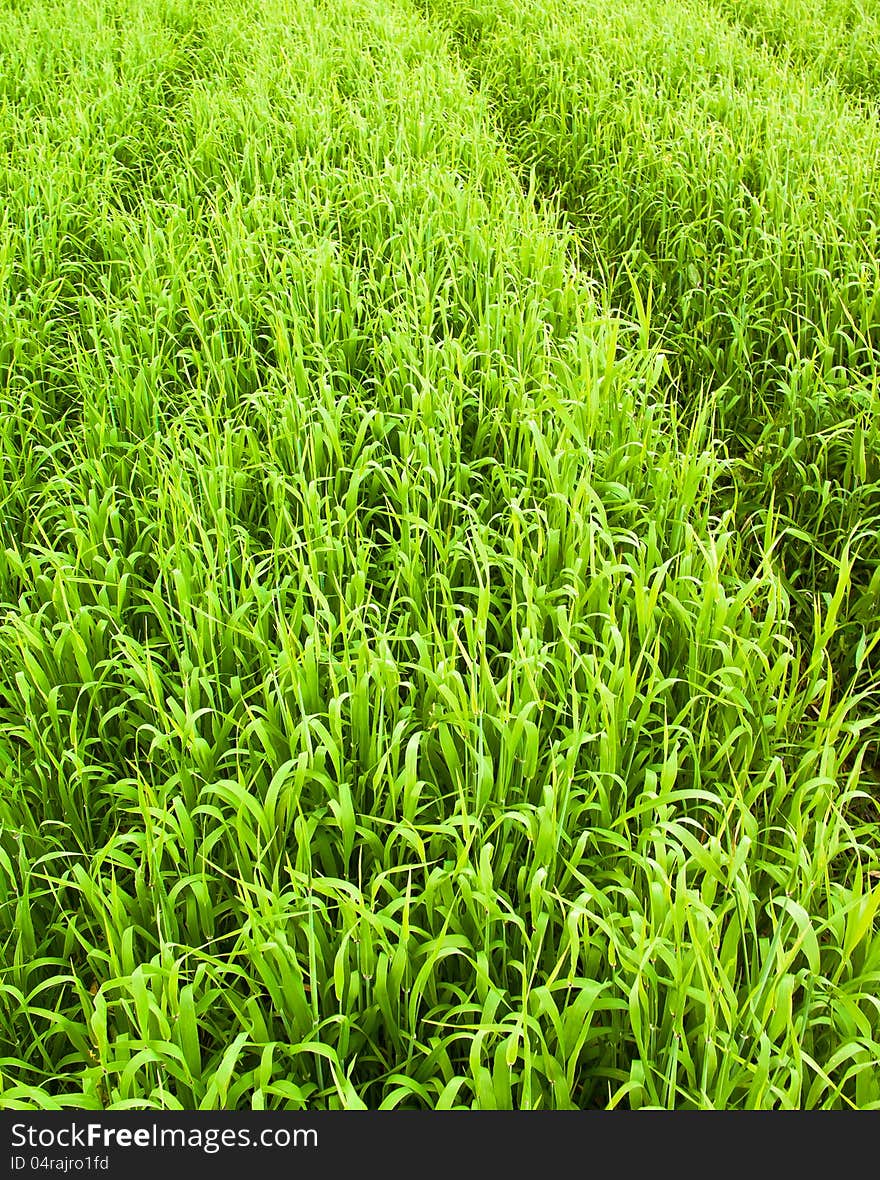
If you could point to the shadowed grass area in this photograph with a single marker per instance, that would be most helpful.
(403, 701)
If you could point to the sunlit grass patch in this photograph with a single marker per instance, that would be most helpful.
(407, 699)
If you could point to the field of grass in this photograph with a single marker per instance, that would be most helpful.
(839, 37)
(439, 555)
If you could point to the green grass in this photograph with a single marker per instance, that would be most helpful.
(841, 38)
(742, 192)
(734, 197)
(421, 685)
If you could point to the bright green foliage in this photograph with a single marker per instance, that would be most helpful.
(743, 194)
(734, 200)
(408, 697)
(840, 37)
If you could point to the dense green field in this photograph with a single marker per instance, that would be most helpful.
(439, 554)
